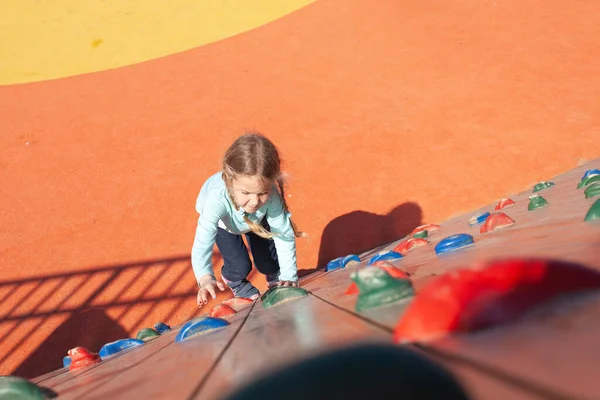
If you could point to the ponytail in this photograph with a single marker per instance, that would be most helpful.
(297, 233)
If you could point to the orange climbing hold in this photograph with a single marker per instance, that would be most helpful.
(390, 269)
(495, 221)
(430, 228)
(82, 357)
(496, 293)
(408, 244)
(352, 289)
(238, 303)
(504, 203)
(221, 310)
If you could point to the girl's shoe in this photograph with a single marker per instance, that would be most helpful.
(243, 288)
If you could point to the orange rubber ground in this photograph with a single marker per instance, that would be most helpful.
(388, 114)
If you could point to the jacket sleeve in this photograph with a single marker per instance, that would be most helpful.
(206, 233)
(285, 241)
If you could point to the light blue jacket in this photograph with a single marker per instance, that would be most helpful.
(216, 210)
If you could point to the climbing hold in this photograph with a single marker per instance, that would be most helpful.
(590, 172)
(342, 262)
(112, 348)
(387, 267)
(66, 361)
(454, 242)
(495, 221)
(478, 219)
(385, 256)
(17, 388)
(588, 180)
(146, 334)
(221, 310)
(82, 357)
(200, 326)
(594, 212)
(504, 203)
(390, 269)
(421, 234)
(352, 289)
(161, 327)
(430, 228)
(542, 185)
(280, 294)
(492, 294)
(592, 190)
(408, 244)
(238, 303)
(378, 288)
(536, 201)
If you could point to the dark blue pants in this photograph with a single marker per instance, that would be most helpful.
(236, 260)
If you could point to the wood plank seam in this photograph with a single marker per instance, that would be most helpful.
(204, 379)
(359, 316)
(108, 376)
(100, 384)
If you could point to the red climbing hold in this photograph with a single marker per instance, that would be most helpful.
(390, 269)
(82, 357)
(221, 310)
(504, 203)
(408, 244)
(430, 228)
(238, 303)
(495, 221)
(352, 289)
(387, 267)
(492, 294)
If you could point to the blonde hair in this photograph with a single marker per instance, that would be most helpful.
(252, 154)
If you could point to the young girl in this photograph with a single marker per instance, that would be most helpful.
(246, 197)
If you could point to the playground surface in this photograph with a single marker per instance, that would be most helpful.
(388, 115)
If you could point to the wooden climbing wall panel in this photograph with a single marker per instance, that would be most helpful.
(549, 352)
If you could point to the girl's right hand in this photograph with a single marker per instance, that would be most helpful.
(208, 285)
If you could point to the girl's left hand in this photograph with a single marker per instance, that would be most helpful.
(288, 283)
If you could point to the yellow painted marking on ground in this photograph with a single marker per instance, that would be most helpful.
(48, 39)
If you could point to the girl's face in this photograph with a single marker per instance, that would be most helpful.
(249, 193)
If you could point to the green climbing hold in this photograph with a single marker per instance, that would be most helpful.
(586, 181)
(15, 388)
(536, 201)
(594, 212)
(592, 190)
(542, 186)
(147, 334)
(421, 234)
(280, 294)
(376, 288)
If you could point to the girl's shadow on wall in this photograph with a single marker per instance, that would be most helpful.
(360, 231)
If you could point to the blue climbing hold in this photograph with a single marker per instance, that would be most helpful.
(200, 325)
(66, 361)
(478, 219)
(112, 348)
(590, 172)
(341, 262)
(453, 242)
(161, 327)
(385, 256)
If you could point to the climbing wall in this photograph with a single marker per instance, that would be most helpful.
(506, 302)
